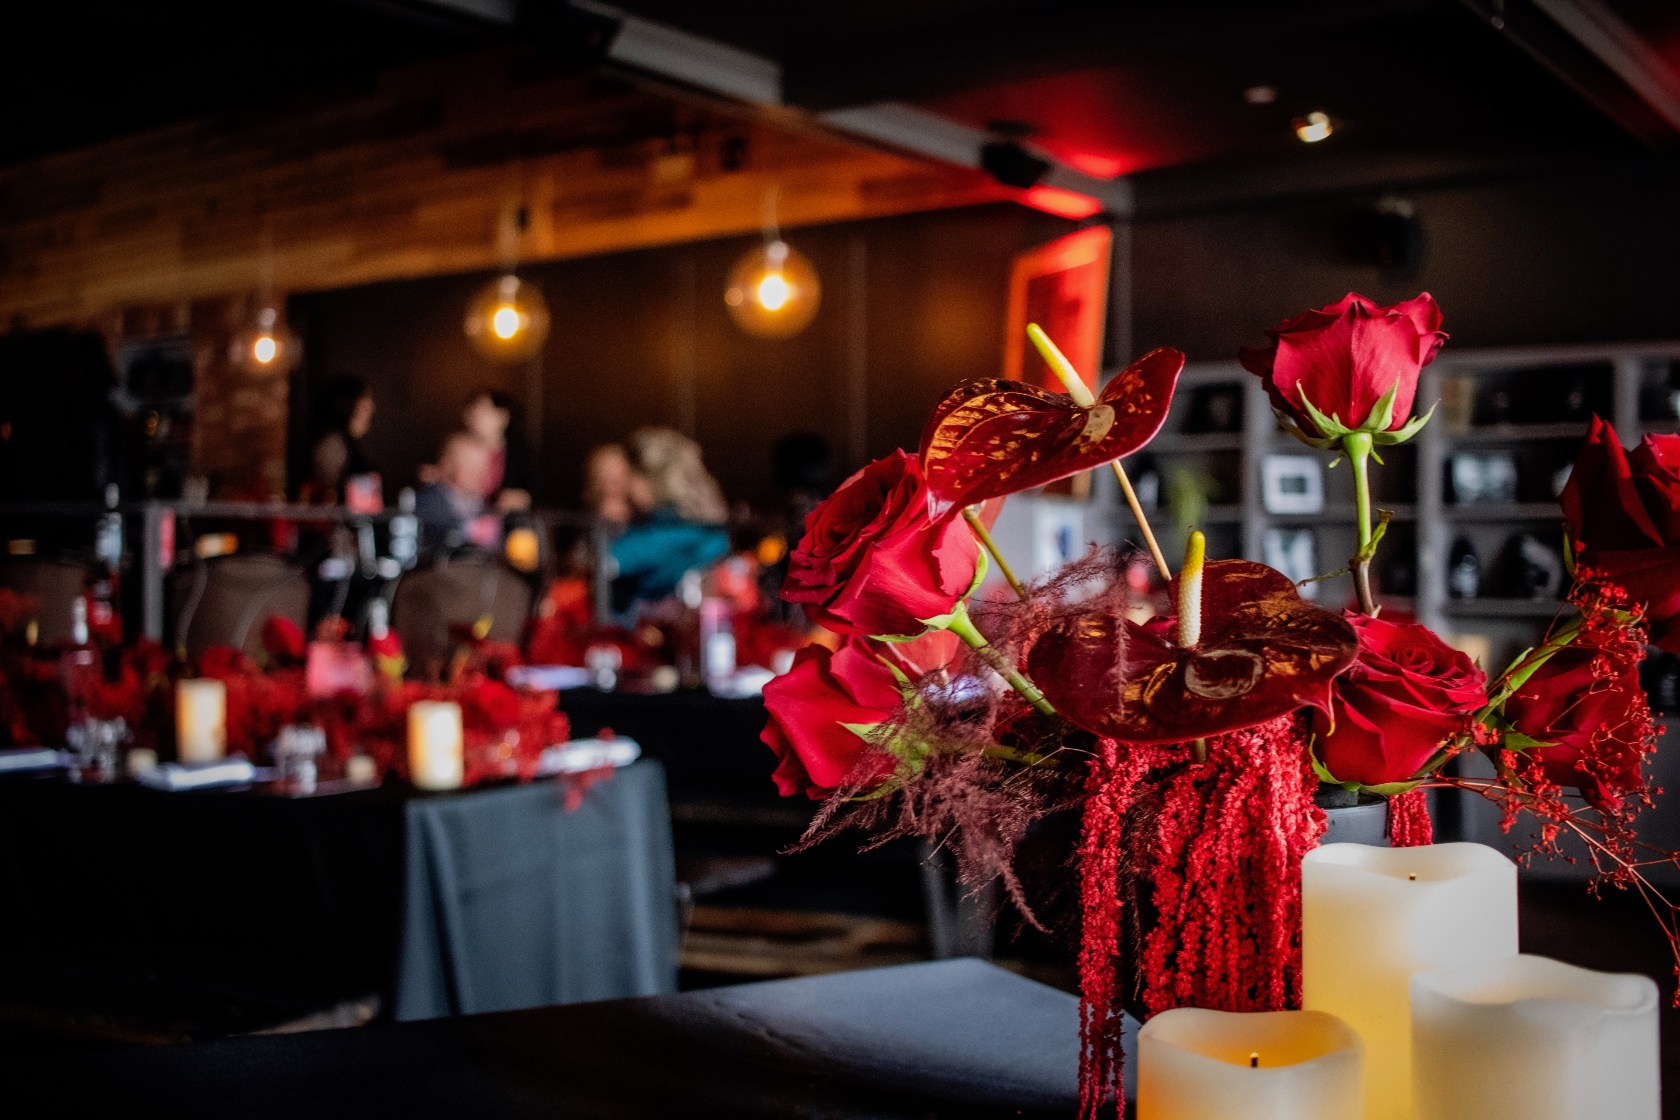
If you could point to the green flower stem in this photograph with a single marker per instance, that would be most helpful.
(1357, 446)
(963, 627)
(971, 514)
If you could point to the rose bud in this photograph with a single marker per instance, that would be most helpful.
(1349, 367)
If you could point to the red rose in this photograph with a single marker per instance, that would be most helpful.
(490, 706)
(282, 639)
(811, 707)
(1586, 703)
(1344, 359)
(1405, 694)
(872, 563)
(1624, 514)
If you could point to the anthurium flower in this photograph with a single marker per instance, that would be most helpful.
(1244, 650)
(1350, 367)
(990, 437)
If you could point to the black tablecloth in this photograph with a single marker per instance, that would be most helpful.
(945, 1039)
(221, 909)
(708, 745)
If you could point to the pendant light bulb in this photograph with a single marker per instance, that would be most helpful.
(266, 346)
(507, 321)
(773, 291)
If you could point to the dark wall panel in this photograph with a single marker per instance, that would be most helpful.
(1588, 256)
(645, 338)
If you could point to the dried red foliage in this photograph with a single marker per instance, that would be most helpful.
(1409, 825)
(1207, 856)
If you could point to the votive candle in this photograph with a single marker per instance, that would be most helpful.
(1195, 1064)
(200, 720)
(1371, 917)
(434, 744)
(1530, 1038)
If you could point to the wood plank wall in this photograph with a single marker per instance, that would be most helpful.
(420, 173)
(417, 175)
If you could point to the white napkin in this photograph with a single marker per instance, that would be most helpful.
(548, 678)
(744, 682)
(15, 760)
(174, 777)
(587, 754)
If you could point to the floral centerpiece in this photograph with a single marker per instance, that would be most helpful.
(1191, 745)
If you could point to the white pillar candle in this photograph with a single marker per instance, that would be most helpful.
(1371, 917)
(434, 744)
(200, 720)
(1529, 1038)
(1195, 1064)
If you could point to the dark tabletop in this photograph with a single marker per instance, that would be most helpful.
(943, 1039)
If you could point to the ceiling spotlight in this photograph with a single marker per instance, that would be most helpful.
(1313, 127)
(1260, 95)
(773, 292)
(507, 321)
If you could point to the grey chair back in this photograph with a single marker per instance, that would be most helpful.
(225, 601)
(459, 591)
(56, 584)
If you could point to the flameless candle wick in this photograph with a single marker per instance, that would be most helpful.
(1082, 396)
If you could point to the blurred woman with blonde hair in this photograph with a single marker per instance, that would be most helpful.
(677, 475)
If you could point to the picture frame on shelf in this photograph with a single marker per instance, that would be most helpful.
(1292, 484)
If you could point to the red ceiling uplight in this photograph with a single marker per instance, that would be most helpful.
(1095, 165)
(1062, 203)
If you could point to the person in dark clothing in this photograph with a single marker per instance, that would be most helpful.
(336, 456)
(492, 416)
(452, 510)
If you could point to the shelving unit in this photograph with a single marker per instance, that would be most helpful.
(1633, 385)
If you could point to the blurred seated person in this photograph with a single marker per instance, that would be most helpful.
(680, 523)
(452, 510)
(612, 489)
(340, 470)
(489, 415)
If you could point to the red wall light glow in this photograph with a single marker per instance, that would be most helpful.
(1062, 203)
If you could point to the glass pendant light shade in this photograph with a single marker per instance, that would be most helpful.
(507, 321)
(264, 346)
(773, 292)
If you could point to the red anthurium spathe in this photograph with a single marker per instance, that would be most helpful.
(1261, 651)
(990, 437)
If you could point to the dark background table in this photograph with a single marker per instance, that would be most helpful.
(945, 1039)
(171, 915)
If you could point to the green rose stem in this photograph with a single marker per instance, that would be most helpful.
(1190, 607)
(963, 627)
(1081, 394)
(971, 514)
(1357, 446)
